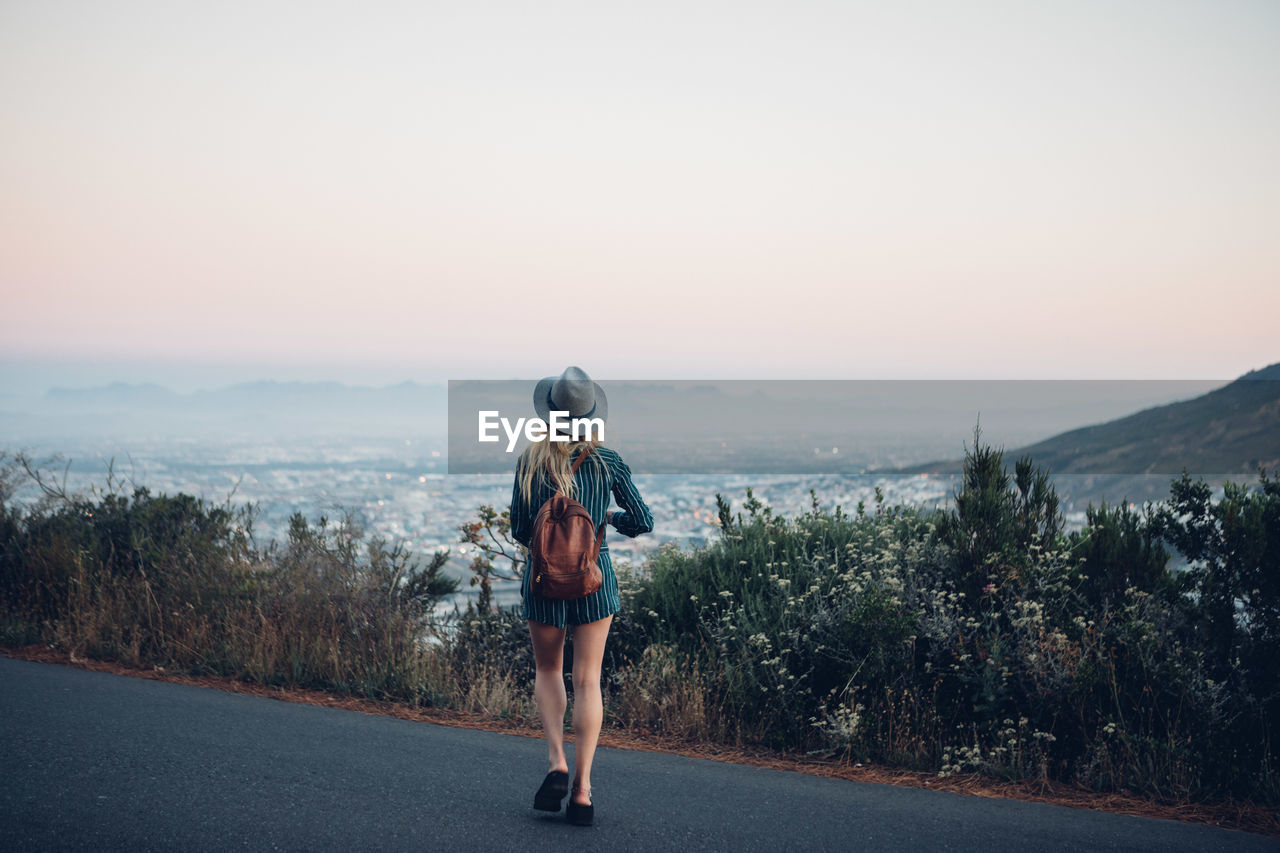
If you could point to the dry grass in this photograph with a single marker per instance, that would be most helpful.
(514, 716)
(661, 694)
(486, 691)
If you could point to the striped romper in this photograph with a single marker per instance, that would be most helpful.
(597, 478)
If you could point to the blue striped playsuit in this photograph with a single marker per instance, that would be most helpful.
(597, 478)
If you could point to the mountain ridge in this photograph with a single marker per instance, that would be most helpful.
(1230, 430)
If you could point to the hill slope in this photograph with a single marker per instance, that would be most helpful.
(1232, 430)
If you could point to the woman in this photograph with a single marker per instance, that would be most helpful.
(544, 468)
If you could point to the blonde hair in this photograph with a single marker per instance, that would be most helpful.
(552, 459)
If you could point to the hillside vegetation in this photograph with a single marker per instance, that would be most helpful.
(981, 638)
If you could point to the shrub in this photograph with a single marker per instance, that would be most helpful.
(178, 582)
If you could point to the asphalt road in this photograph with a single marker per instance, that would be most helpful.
(91, 761)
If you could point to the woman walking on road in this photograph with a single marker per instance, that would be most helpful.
(589, 473)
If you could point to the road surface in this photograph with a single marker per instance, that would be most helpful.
(92, 761)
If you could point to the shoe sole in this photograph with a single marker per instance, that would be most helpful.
(548, 797)
(547, 804)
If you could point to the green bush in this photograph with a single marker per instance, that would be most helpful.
(175, 581)
(790, 618)
(983, 638)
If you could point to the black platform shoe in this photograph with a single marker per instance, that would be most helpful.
(580, 815)
(553, 790)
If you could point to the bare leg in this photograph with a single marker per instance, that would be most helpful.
(548, 688)
(588, 706)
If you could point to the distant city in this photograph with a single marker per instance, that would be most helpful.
(397, 489)
(381, 455)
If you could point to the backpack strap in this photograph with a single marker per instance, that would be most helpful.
(582, 457)
(573, 469)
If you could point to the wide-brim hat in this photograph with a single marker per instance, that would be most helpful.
(572, 391)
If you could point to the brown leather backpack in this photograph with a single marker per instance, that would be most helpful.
(564, 550)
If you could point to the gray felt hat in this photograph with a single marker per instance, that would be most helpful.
(572, 392)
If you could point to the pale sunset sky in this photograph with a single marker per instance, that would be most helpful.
(385, 191)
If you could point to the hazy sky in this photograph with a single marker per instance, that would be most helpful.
(736, 189)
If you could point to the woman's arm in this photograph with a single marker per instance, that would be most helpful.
(634, 518)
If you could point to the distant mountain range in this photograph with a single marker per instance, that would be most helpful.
(1233, 430)
(328, 396)
(133, 413)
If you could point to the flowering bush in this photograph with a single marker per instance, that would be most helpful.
(985, 639)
